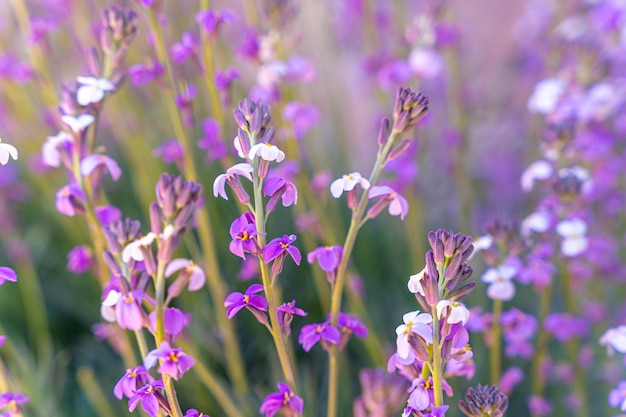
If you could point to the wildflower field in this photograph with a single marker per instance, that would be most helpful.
(323, 208)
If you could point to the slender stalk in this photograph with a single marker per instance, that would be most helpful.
(340, 281)
(437, 365)
(542, 341)
(496, 341)
(232, 352)
(94, 393)
(272, 304)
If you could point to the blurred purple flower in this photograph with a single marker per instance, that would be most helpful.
(69, 200)
(183, 50)
(211, 20)
(79, 259)
(303, 117)
(285, 400)
(107, 214)
(141, 74)
(564, 326)
(211, 142)
(13, 402)
(171, 151)
(93, 162)
(7, 274)
(224, 79)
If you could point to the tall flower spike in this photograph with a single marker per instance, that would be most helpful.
(408, 109)
(484, 401)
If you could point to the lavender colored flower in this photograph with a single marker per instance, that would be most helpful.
(349, 325)
(302, 116)
(183, 50)
(398, 206)
(286, 312)
(94, 162)
(69, 200)
(212, 20)
(257, 304)
(510, 378)
(285, 400)
(539, 406)
(152, 400)
(192, 412)
(13, 402)
(422, 394)
(142, 74)
(414, 322)
(131, 381)
(3, 339)
(617, 396)
(216, 148)
(564, 326)
(55, 148)
(190, 273)
(243, 232)
(92, 90)
(79, 259)
(316, 332)
(128, 312)
(224, 79)
(277, 188)
(170, 151)
(107, 214)
(7, 274)
(231, 177)
(328, 257)
(382, 394)
(174, 362)
(174, 321)
(278, 249)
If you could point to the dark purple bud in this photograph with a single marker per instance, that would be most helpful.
(383, 132)
(431, 266)
(460, 293)
(431, 289)
(419, 346)
(155, 219)
(240, 119)
(484, 401)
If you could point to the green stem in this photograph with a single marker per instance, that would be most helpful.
(542, 342)
(340, 281)
(437, 364)
(496, 336)
(234, 359)
(272, 305)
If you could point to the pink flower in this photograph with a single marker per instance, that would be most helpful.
(174, 362)
(398, 206)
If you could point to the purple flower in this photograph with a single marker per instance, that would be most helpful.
(211, 20)
(277, 249)
(350, 324)
(223, 79)
(212, 141)
(128, 312)
(286, 312)
(69, 200)
(328, 257)
(131, 381)
(94, 162)
(231, 177)
(189, 272)
(142, 74)
(313, 333)
(617, 396)
(170, 151)
(7, 274)
(302, 116)
(151, 399)
(13, 402)
(243, 232)
(3, 339)
(192, 412)
(255, 303)
(539, 406)
(107, 214)
(174, 321)
(279, 188)
(181, 51)
(79, 259)
(422, 394)
(564, 326)
(398, 206)
(174, 362)
(284, 400)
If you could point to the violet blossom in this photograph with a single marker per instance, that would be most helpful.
(131, 381)
(257, 304)
(278, 249)
(316, 332)
(284, 400)
(79, 259)
(243, 232)
(7, 274)
(152, 400)
(286, 312)
(174, 362)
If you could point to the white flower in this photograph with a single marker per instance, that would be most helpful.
(50, 153)
(92, 89)
(538, 222)
(267, 151)
(483, 243)
(107, 310)
(573, 232)
(7, 151)
(78, 123)
(457, 313)
(414, 322)
(538, 170)
(546, 95)
(133, 249)
(415, 283)
(426, 63)
(238, 148)
(347, 183)
(499, 280)
(580, 173)
(614, 339)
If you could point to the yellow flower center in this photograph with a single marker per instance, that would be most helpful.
(246, 299)
(283, 245)
(319, 329)
(173, 357)
(128, 298)
(244, 236)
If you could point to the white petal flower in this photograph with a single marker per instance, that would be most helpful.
(426, 63)
(133, 249)
(267, 151)
(92, 90)
(573, 232)
(483, 242)
(546, 95)
(6, 151)
(107, 310)
(614, 339)
(538, 170)
(50, 153)
(458, 313)
(347, 183)
(538, 222)
(78, 123)
(501, 290)
(415, 283)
